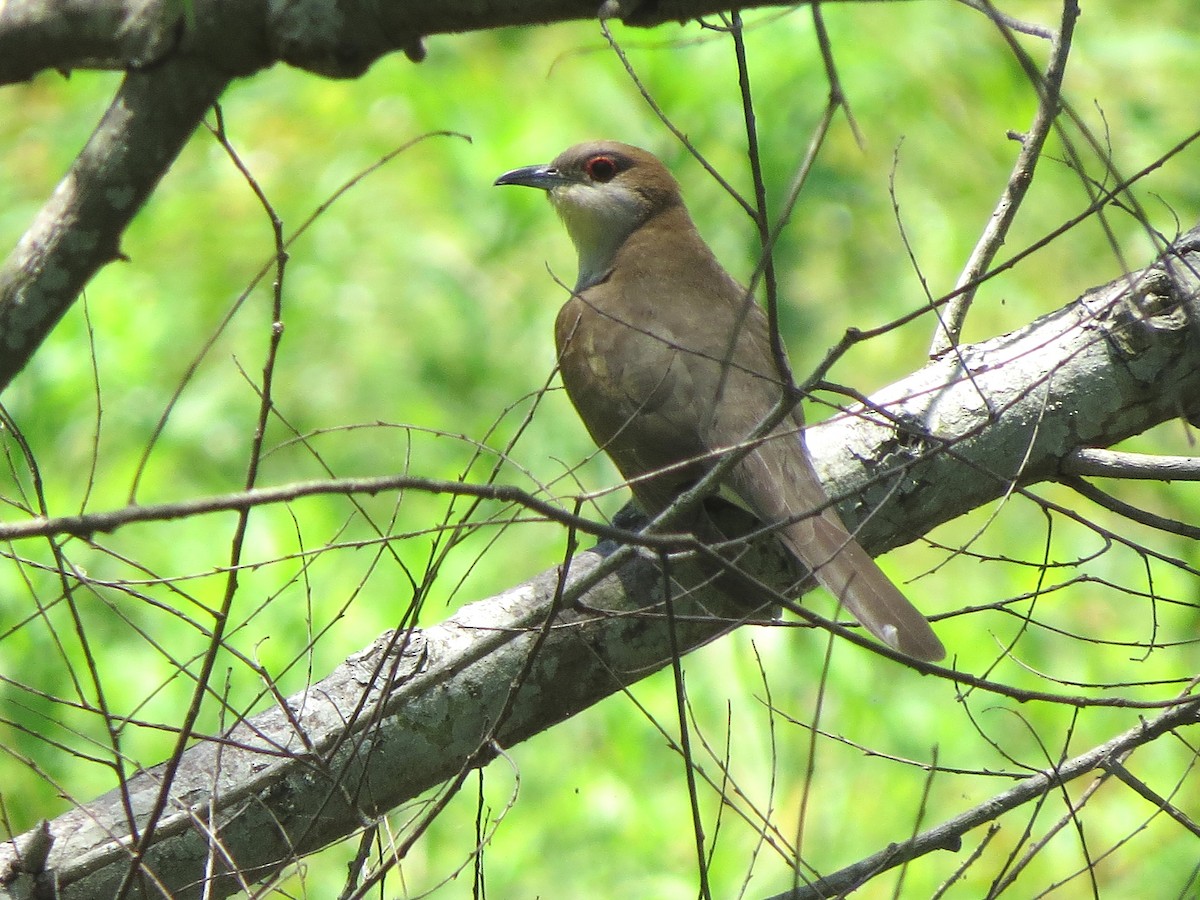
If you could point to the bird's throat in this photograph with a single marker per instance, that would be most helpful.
(598, 222)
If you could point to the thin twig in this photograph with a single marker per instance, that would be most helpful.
(949, 835)
(1123, 464)
(665, 119)
(88, 524)
(221, 616)
(1049, 89)
(685, 740)
(761, 215)
(1009, 22)
(1131, 512)
(1116, 768)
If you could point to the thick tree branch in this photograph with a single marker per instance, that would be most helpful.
(1007, 412)
(36, 35)
(79, 229)
(328, 37)
(416, 707)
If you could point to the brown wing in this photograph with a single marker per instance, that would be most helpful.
(779, 485)
(634, 391)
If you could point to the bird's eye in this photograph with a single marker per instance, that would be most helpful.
(601, 168)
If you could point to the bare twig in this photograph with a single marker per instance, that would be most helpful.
(949, 835)
(1131, 512)
(1049, 88)
(87, 524)
(1116, 767)
(1097, 463)
(665, 119)
(221, 618)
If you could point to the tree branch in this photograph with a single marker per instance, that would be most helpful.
(327, 37)
(1049, 90)
(949, 835)
(1122, 464)
(79, 229)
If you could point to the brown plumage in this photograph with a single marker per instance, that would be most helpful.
(666, 363)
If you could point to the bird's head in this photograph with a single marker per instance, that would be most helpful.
(603, 191)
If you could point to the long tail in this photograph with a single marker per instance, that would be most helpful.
(779, 485)
(848, 571)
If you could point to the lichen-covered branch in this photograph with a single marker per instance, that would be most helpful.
(79, 229)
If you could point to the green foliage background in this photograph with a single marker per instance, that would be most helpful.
(417, 315)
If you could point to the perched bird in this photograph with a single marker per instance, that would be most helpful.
(668, 362)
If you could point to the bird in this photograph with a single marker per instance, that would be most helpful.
(669, 362)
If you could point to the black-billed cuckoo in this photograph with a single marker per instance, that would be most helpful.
(668, 363)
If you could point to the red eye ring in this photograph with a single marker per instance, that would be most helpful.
(601, 168)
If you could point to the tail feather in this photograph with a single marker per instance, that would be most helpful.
(848, 571)
(780, 486)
